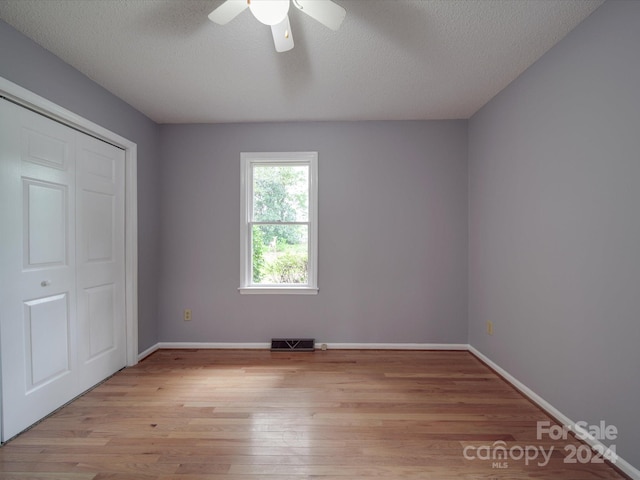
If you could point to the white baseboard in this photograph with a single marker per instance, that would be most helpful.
(202, 346)
(148, 352)
(533, 396)
(394, 346)
(331, 346)
(620, 463)
(214, 345)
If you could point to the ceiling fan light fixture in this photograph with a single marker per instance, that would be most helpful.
(269, 12)
(275, 13)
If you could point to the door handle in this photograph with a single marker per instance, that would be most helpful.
(45, 283)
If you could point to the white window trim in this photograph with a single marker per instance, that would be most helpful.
(301, 158)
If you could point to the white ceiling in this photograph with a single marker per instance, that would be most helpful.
(390, 60)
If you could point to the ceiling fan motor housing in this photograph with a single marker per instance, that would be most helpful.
(269, 12)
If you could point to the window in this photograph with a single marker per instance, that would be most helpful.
(279, 225)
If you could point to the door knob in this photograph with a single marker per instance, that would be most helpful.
(45, 283)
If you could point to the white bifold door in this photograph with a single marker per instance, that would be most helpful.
(62, 279)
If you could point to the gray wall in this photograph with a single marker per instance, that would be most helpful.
(27, 64)
(392, 233)
(554, 230)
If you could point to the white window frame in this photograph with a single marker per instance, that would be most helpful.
(248, 160)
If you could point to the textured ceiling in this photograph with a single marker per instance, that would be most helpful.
(390, 60)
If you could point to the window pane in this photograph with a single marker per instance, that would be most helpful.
(280, 254)
(280, 193)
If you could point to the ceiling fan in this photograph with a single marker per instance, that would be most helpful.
(275, 14)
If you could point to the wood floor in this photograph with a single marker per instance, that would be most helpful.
(247, 414)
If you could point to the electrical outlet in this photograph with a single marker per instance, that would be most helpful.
(186, 315)
(489, 327)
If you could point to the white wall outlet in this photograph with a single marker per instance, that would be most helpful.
(186, 315)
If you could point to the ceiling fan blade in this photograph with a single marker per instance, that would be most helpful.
(282, 37)
(228, 11)
(328, 13)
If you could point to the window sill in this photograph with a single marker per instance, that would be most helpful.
(278, 290)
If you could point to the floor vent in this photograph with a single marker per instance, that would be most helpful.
(293, 344)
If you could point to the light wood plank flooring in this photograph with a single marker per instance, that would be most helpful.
(247, 414)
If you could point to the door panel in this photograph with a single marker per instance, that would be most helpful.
(100, 260)
(99, 162)
(47, 345)
(44, 149)
(37, 281)
(45, 224)
(97, 210)
(100, 319)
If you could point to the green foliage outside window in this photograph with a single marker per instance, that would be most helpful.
(288, 268)
(258, 255)
(280, 252)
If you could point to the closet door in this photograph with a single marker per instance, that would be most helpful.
(38, 289)
(100, 260)
(62, 312)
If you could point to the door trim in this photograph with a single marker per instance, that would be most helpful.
(35, 102)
